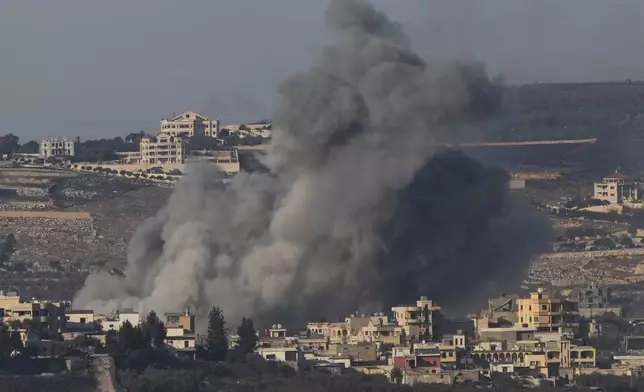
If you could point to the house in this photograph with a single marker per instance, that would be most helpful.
(617, 188)
(283, 354)
(79, 316)
(180, 332)
(189, 124)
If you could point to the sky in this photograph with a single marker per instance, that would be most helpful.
(108, 68)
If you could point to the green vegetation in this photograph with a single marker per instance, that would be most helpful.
(247, 336)
(567, 111)
(217, 341)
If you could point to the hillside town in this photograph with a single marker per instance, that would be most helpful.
(186, 137)
(539, 337)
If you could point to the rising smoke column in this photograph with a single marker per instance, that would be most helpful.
(359, 208)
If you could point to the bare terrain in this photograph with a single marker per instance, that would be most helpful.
(66, 225)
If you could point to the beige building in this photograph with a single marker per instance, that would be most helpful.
(544, 312)
(190, 124)
(180, 331)
(416, 320)
(617, 188)
(56, 148)
(162, 149)
(50, 316)
(81, 316)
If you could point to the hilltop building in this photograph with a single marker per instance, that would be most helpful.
(163, 148)
(56, 148)
(618, 188)
(189, 124)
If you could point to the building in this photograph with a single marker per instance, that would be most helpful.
(417, 321)
(80, 316)
(56, 148)
(162, 149)
(48, 316)
(254, 126)
(189, 124)
(180, 332)
(128, 315)
(544, 312)
(593, 296)
(617, 188)
(283, 354)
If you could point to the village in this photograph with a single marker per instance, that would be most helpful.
(541, 337)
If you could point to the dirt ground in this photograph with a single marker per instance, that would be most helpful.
(73, 225)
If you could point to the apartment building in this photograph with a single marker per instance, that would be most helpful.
(416, 320)
(544, 312)
(162, 149)
(49, 316)
(56, 148)
(190, 124)
(618, 188)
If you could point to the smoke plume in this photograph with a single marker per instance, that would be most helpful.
(360, 208)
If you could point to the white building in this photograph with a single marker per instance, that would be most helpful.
(128, 315)
(190, 124)
(163, 148)
(56, 147)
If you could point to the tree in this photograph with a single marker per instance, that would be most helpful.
(8, 144)
(31, 147)
(130, 338)
(217, 340)
(153, 330)
(397, 375)
(16, 341)
(5, 342)
(134, 137)
(247, 336)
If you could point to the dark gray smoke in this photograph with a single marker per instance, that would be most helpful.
(359, 208)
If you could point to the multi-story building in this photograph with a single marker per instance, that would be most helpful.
(162, 149)
(180, 332)
(190, 124)
(49, 317)
(618, 188)
(56, 148)
(416, 320)
(593, 296)
(544, 312)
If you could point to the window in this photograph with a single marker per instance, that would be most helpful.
(186, 344)
(83, 320)
(544, 307)
(521, 307)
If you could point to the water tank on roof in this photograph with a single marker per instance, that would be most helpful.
(279, 326)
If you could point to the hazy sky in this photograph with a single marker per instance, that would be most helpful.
(107, 68)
